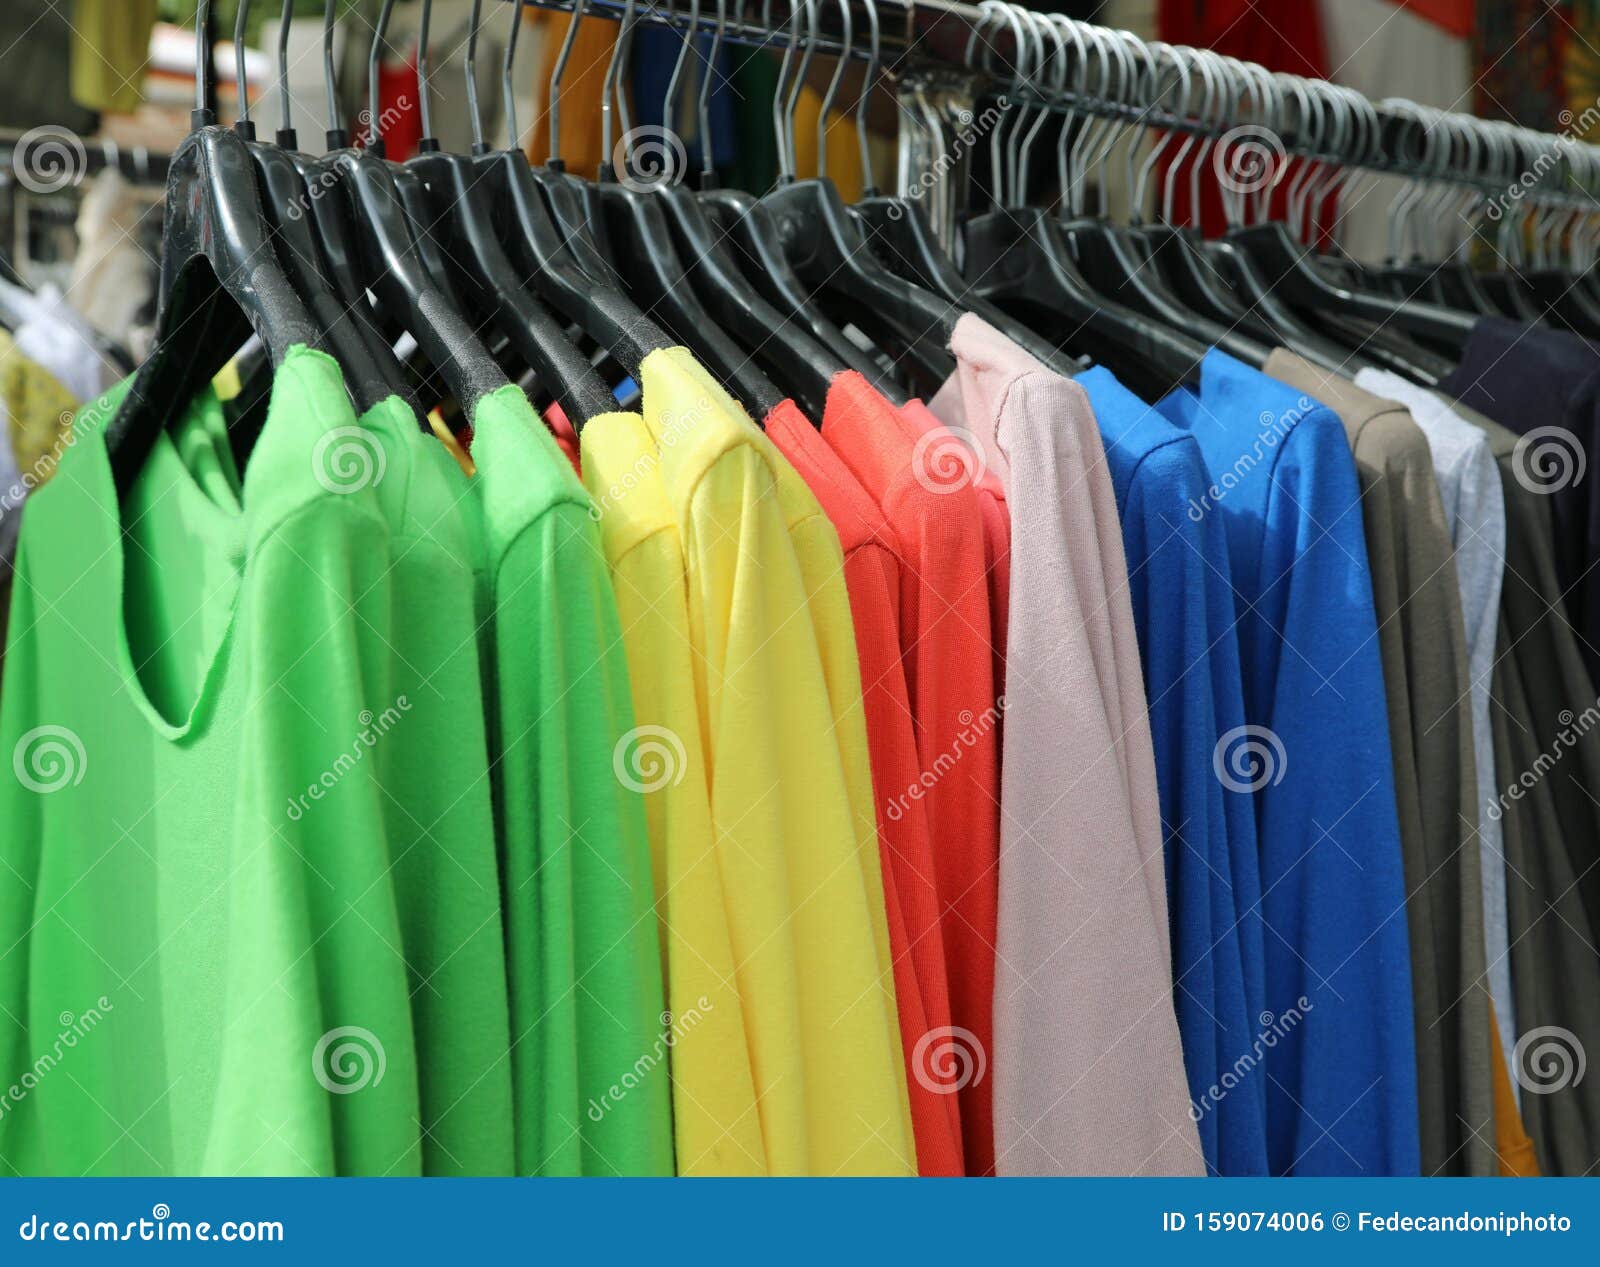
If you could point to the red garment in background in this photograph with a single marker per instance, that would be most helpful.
(872, 577)
(399, 110)
(1459, 17)
(1281, 35)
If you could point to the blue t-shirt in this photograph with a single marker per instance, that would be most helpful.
(1183, 608)
(1336, 1029)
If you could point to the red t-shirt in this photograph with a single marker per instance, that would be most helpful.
(925, 489)
(872, 577)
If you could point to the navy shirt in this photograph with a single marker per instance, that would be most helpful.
(1335, 1033)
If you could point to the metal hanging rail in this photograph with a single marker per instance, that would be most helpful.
(981, 41)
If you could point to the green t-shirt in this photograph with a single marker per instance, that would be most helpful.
(590, 1048)
(206, 966)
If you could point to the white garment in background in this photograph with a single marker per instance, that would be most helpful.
(59, 339)
(1474, 502)
(112, 277)
(1381, 50)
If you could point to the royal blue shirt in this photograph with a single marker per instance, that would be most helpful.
(1336, 1032)
(1183, 608)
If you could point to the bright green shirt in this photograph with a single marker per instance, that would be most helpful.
(204, 956)
(589, 1043)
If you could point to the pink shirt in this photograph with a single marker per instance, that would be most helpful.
(1088, 1068)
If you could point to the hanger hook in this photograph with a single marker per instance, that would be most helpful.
(427, 143)
(507, 82)
(374, 127)
(242, 125)
(286, 136)
(785, 171)
(479, 146)
(804, 66)
(336, 138)
(848, 40)
(869, 80)
(708, 166)
(608, 98)
(557, 74)
(670, 99)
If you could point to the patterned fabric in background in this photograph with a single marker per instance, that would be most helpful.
(1582, 121)
(1518, 51)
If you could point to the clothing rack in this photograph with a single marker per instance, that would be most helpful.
(1396, 137)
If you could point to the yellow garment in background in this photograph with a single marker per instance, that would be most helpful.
(844, 148)
(110, 50)
(580, 89)
(38, 409)
(716, 1125)
(824, 1054)
(1512, 1146)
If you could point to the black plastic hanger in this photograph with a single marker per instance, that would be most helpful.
(757, 246)
(644, 255)
(1019, 258)
(463, 223)
(787, 351)
(394, 272)
(328, 213)
(901, 235)
(1106, 254)
(220, 282)
(284, 200)
(829, 252)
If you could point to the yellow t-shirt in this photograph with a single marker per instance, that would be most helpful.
(716, 1126)
(807, 923)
